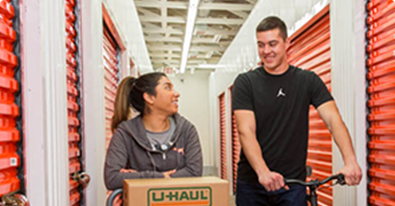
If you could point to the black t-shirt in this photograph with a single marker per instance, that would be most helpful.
(281, 106)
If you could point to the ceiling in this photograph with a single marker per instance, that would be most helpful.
(216, 25)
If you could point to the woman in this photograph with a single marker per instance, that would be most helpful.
(158, 143)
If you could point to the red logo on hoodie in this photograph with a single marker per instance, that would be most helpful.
(179, 150)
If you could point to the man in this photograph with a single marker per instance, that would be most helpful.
(271, 106)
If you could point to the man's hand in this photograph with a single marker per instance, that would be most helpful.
(331, 116)
(168, 173)
(352, 172)
(272, 181)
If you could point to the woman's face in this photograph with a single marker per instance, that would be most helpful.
(166, 99)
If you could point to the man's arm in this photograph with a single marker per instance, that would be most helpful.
(246, 126)
(331, 116)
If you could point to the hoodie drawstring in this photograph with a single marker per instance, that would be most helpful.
(152, 160)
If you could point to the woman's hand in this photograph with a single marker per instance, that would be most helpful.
(127, 171)
(168, 173)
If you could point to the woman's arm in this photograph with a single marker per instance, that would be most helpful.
(193, 156)
(116, 160)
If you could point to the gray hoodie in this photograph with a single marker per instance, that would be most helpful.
(131, 149)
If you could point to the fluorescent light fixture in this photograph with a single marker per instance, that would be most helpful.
(211, 66)
(192, 12)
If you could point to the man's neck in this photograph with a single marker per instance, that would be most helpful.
(281, 69)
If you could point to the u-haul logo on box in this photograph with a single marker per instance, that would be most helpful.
(181, 196)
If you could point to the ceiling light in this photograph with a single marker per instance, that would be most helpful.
(192, 12)
(211, 66)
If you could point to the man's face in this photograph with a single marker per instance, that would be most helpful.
(272, 48)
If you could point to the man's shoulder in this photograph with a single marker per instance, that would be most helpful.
(249, 74)
(302, 72)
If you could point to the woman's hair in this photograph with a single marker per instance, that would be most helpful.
(122, 109)
(130, 94)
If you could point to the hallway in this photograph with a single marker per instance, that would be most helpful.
(62, 62)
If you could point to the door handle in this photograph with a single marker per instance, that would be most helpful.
(83, 178)
(14, 200)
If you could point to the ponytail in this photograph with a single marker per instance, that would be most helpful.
(130, 95)
(122, 104)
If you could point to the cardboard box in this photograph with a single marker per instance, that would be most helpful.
(195, 191)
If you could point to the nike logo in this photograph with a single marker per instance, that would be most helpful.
(280, 93)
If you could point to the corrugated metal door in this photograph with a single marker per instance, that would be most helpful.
(310, 50)
(222, 123)
(73, 99)
(10, 99)
(235, 151)
(111, 77)
(236, 146)
(381, 76)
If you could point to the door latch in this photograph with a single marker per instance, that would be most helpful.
(83, 178)
(14, 200)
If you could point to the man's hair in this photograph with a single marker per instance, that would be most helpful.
(273, 22)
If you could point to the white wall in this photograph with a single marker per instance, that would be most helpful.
(44, 102)
(194, 105)
(349, 88)
(126, 20)
(219, 82)
(93, 100)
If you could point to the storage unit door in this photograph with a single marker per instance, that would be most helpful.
(73, 100)
(111, 77)
(222, 137)
(310, 50)
(11, 150)
(235, 151)
(381, 90)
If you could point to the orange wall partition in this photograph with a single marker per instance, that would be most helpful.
(236, 146)
(111, 55)
(222, 136)
(73, 99)
(381, 90)
(11, 150)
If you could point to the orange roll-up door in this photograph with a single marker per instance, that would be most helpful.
(11, 172)
(222, 133)
(73, 99)
(236, 147)
(310, 50)
(111, 77)
(381, 90)
(235, 151)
